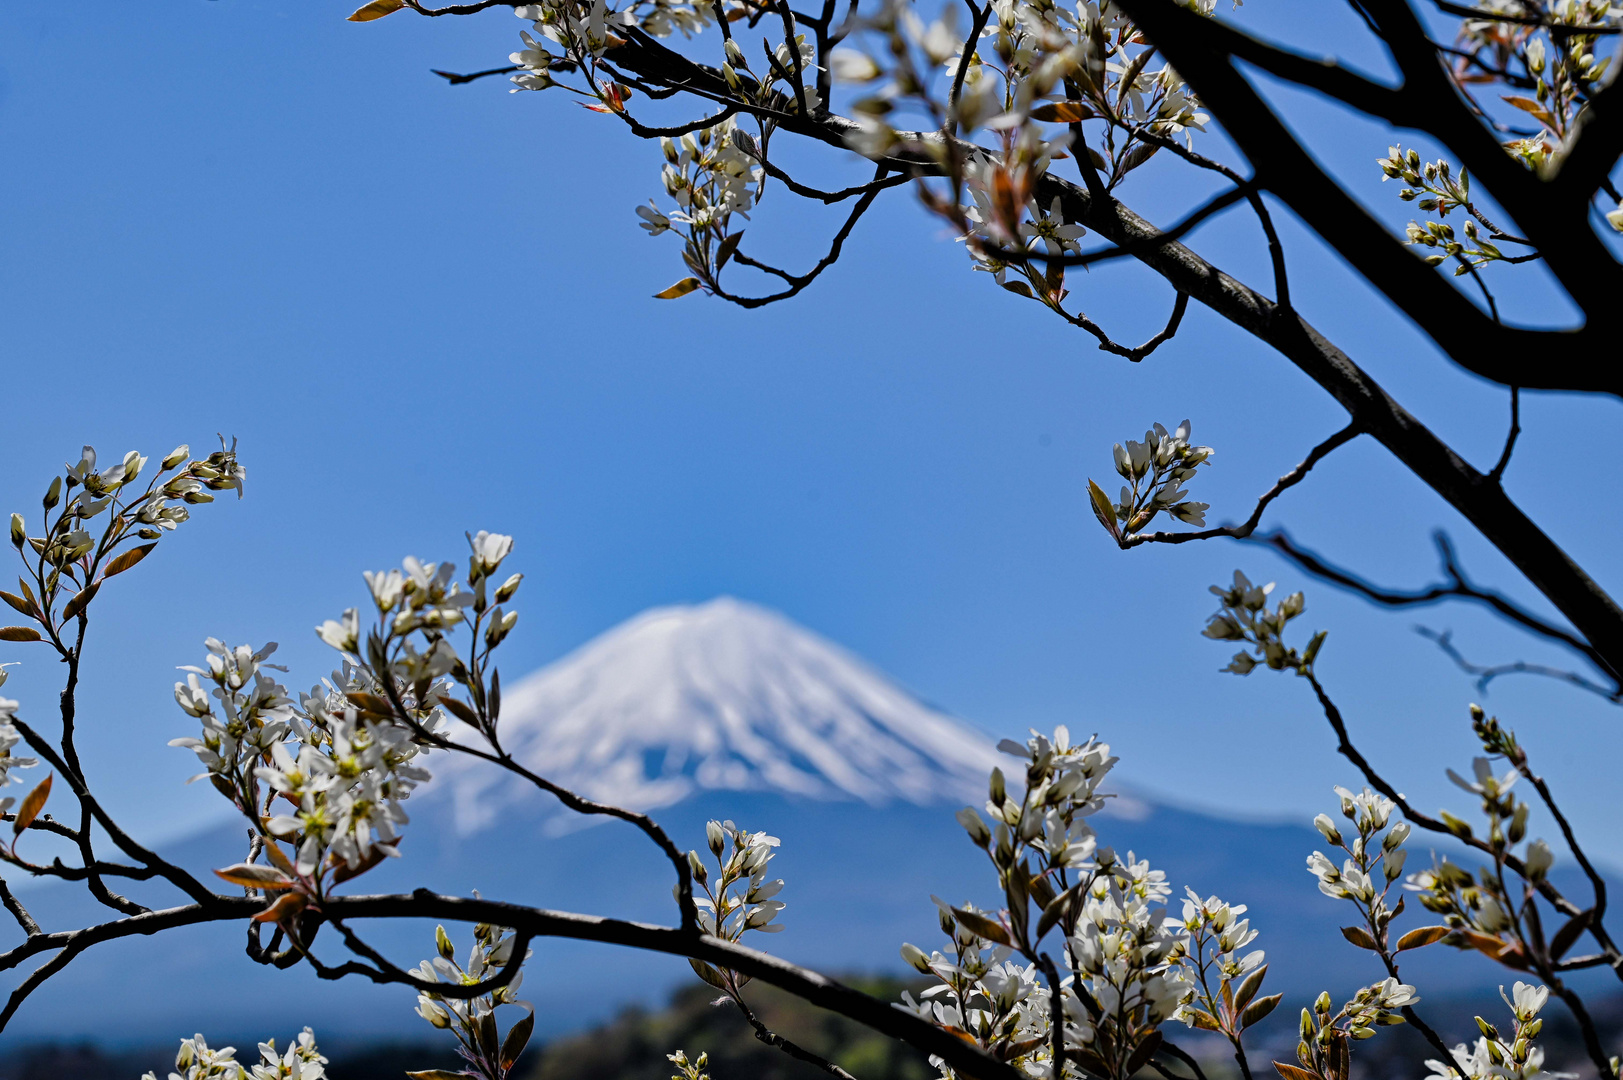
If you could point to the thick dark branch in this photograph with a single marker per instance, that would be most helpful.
(17, 910)
(1595, 615)
(387, 972)
(1245, 529)
(1203, 51)
(1554, 224)
(809, 986)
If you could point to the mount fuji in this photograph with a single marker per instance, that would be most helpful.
(723, 696)
(720, 710)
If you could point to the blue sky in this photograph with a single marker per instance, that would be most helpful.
(424, 309)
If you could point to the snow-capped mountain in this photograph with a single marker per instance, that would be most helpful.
(721, 696)
(720, 710)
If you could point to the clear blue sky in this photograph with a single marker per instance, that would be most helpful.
(424, 309)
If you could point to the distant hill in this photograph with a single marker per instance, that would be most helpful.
(720, 710)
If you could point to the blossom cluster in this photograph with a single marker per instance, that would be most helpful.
(1244, 616)
(1495, 1056)
(1481, 908)
(472, 1021)
(1038, 73)
(343, 774)
(1374, 861)
(196, 1060)
(738, 898)
(712, 175)
(1226, 979)
(1125, 956)
(1324, 1046)
(87, 497)
(348, 753)
(1155, 470)
(1548, 56)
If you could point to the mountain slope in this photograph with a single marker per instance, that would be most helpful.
(720, 696)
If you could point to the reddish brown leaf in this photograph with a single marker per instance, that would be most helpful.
(128, 559)
(32, 804)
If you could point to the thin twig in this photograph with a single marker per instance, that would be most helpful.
(1485, 674)
(799, 1053)
(1246, 528)
(1456, 587)
(1180, 304)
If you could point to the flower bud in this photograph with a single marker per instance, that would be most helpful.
(53, 494)
(1518, 823)
(972, 823)
(700, 874)
(916, 958)
(1328, 828)
(442, 942)
(998, 790)
(715, 836)
(508, 588)
(1322, 1004)
(176, 456)
(1539, 860)
(19, 535)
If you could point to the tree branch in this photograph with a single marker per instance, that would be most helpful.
(1245, 529)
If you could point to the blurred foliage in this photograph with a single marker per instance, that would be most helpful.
(633, 1046)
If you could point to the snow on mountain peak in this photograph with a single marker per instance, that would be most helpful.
(722, 695)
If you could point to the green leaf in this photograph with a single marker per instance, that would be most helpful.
(681, 288)
(725, 249)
